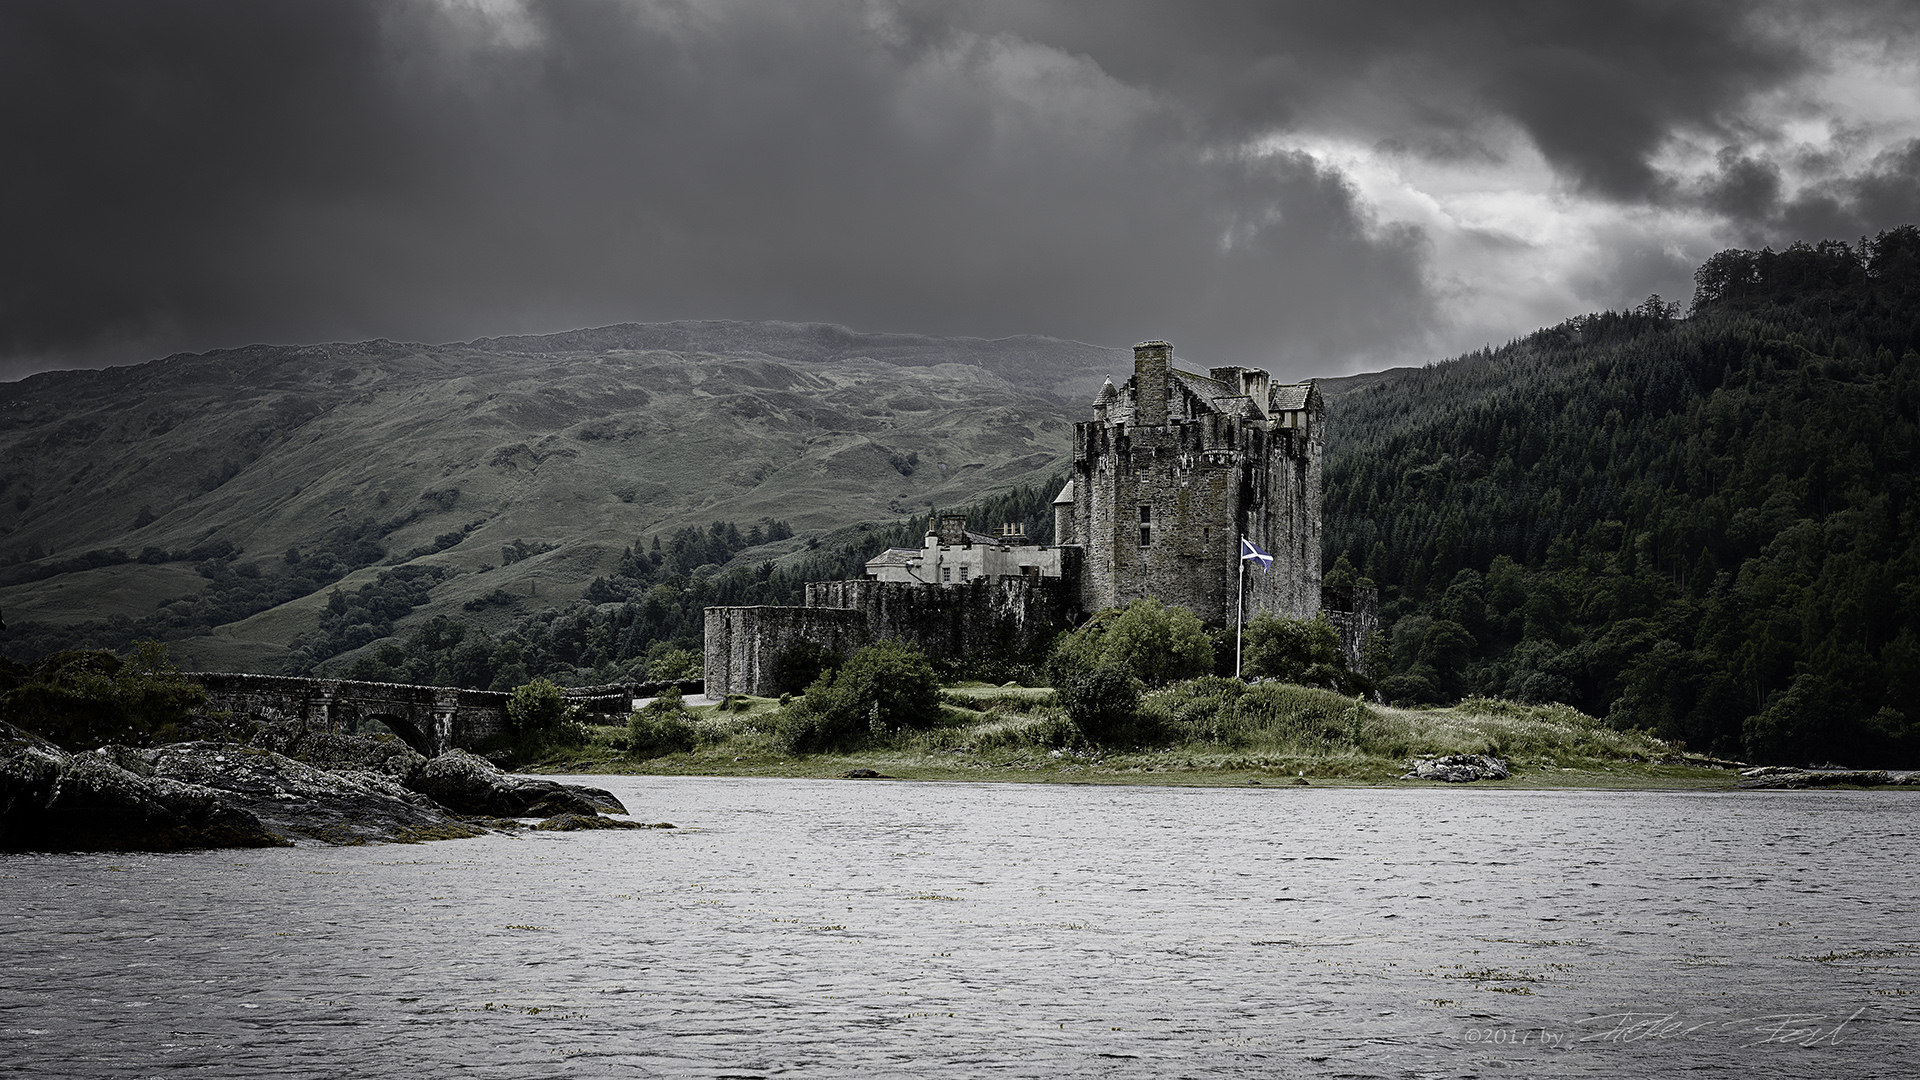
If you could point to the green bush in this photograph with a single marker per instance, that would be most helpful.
(1156, 644)
(662, 727)
(669, 663)
(84, 698)
(883, 688)
(1292, 717)
(539, 717)
(1201, 709)
(1103, 703)
(1302, 651)
(801, 664)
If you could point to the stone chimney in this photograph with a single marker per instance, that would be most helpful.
(1152, 361)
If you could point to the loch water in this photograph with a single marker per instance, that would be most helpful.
(828, 928)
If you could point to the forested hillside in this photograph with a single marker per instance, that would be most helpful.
(1701, 526)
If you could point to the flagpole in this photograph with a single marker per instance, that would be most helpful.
(1239, 607)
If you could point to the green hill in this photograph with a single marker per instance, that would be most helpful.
(218, 500)
(1704, 527)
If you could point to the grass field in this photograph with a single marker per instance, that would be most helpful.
(1273, 735)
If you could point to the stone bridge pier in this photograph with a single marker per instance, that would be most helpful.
(431, 719)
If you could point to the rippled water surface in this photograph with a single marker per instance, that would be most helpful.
(845, 927)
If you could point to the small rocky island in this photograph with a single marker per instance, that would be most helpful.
(287, 786)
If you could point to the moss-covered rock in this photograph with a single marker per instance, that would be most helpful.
(473, 785)
(52, 800)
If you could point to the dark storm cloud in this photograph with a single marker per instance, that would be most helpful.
(1598, 87)
(188, 175)
(208, 174)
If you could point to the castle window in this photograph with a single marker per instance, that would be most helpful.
(963, 572)
(1146, 525)
(946, 573)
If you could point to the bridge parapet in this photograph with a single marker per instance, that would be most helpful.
(431, 719)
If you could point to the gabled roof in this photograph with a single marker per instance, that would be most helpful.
(1292, 397)
(1208, 391)
(1065, 496)
(895, 557)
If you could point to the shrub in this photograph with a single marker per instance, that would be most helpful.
(1302, 651)
(84, 698)
(1201, 709)
(539, 717)
(1293, 717)
(1102, 702)
(882, 689)
(670, 663)
(1159, 644)
(1155, 644)
(662, 727)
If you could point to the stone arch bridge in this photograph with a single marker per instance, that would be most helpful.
(431, 719)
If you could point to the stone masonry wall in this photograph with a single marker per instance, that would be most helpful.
(744, 644)
(984, 617)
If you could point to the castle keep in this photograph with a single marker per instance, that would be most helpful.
(1173, 469)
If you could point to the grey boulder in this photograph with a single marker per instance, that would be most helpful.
(1457, 768)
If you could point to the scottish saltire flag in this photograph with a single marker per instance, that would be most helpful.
(1251, 550)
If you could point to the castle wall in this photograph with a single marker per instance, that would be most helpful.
(744, 644)
(1189, 484)
(984, 617)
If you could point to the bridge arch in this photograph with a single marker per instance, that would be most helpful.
(405, 729)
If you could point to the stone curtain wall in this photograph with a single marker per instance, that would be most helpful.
(1008, 615)
(744, 644)
(986, 617)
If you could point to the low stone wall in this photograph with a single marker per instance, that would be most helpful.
(612, 703)
(744, 644)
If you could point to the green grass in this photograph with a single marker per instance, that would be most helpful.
(1210, 735)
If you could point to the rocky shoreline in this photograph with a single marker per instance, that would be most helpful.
(1787, 776)
(287, 787)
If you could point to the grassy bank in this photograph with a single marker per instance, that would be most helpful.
(1208, 732)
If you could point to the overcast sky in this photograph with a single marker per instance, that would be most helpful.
(1316, 188)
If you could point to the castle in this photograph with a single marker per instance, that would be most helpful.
(1172, 471)
(1175, 468)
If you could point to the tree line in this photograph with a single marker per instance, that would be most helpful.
(1702, 527)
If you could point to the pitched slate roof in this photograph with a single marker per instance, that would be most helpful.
(895, 557)
(1291, 397)
(1209, 391)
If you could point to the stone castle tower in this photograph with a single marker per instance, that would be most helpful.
(1175, 468)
